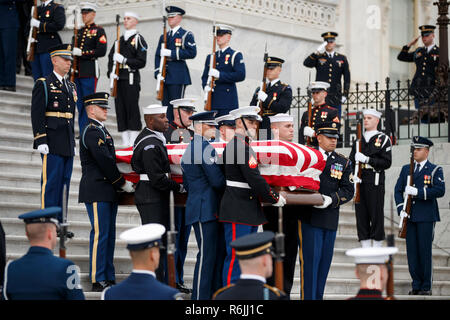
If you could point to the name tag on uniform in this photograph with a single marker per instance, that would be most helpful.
(56, 91)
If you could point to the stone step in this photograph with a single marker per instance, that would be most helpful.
(33, 167)
(16, 96)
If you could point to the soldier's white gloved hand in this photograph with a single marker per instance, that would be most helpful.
(119, 58)
(326, 202)
(165, 52)
(182, 189)
(35, 23)
(214, 73)
(159, 77)
(207, 89)
(262, 95)
(321, 48)
(43, 148)
(411, 190)
(115, 76)
(403, 214)
(361, 157)
(75, 151)
(128, 187)
(343, 99)
(308, 132)
(77, 52)
(356, 179)
(281, 201)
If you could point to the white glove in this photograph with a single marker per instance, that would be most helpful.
(165, 52)
(308, 132)
(281, 202)
(411, 190)
(119, 58)
(77, 52)
(115, 76)
(182, 189)
(343, 99)
(403, 214)
(214, 73)
(159, 77)
(356, 179)
(326, 202)
(207, 89)
(35, 23)
(43, 148)
(262, 95)
(75, 151)
(128, 187)
(361, 157)
(321, 48)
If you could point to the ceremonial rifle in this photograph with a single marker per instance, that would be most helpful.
(31, 45)
(358, 164)
(264, 79)
(162, 62)
(115, 70)
(75, 44)
(171, 238)
(390, 265)
(408, 199)
(63, 231)
(279, 253)
(308, 139)
(211, 79)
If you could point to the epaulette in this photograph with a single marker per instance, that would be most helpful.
(222, 290)
(41, 79)
(344, 157)
(273, 289)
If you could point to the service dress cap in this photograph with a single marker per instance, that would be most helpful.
(281, 117)
(172, 11)
(61, 50)
(249, 112)
(371, 255)
(222, 29)
(329, 36)
(226, 120)
(421, 142)
(318, 86)
(88, 6)
(46, 215)
(426, 30)
(143, 237)
(184, 103)
(253, 245)
(329, 129)
(99, 98)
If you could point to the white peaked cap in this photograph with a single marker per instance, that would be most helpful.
(154, 109)
(371, 255)
(145, 236)
(88, 6)
(247, 111)
(319, 85)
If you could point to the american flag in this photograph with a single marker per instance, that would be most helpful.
(281, 163)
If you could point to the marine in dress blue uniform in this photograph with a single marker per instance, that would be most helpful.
(426, 59)
(240, 208)
(331, 67)
(143, 242)
(203, 180)
(53, 104)
(255, 248)
(319, 224)
(9, 25)
(276, 99)
(428, 185)
(92, 45)
(39, 275)
(100, 181)
(229, 69)
(179, 48)
(51, 19)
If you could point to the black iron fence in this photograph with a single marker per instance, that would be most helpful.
(408, 109)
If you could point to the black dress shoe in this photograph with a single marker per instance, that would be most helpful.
(8, 89)
(183, 289)
(100, 286)
(413, 292)
(425, 293)
(111, 282)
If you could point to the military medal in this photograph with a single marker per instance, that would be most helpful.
(274, 96)
(75, 96)
(322, 61)
(426, 180)
(252, 163)
(324, 115)
(340, 62)
(55, 104)
(178, 42)
(47, 13)
(227, 57)
(377, 142)
(133, 41)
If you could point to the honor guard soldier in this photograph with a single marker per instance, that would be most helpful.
(179, 132)
(151, 161)
(91, 46)
(203, 180)
(226, 126)
(428, 185)
(143, 243)
(51, 19)
(132, 57)
(180, 46)
(320, 223)
(254, 252)
(320, 112)
(229, 70)
(39, 275)
(375, 157)
(371, 270)
(276, 99)
(53, 104)
(426, 59)
(331, 67)
(240, 207)
(9, 27)
(100, 181)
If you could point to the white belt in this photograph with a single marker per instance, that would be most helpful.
(144, 177)
(238, 184)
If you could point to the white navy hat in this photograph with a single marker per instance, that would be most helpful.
(88, 6)
(143, 237)
(281, 117)
(186, 103)
(154, 109)
(372, 112)
(318, 85)
(250, 112)
(131, 14)
(371, 255)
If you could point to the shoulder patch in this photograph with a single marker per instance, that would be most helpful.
(41, 79)
(222, 290)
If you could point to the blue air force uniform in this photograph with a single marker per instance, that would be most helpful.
(319, 225)
(203, 180)
(428, 179)
(53, 106)
(182, 45)
(52, 19)
(39, 275)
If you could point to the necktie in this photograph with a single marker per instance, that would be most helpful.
(417, 168)
(65, 84)
(327, 153)
(170, 33)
